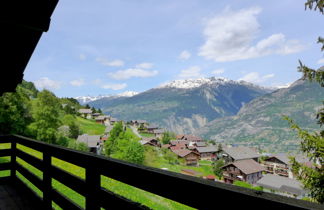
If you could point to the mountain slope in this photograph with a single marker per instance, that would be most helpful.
(260, 121)
(183, 105)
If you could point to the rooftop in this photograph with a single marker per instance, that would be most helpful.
(247, 166)
(240, 153)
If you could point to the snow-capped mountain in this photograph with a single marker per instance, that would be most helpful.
(184, 105)
(214, 81)
(87, 99)
(127, 94)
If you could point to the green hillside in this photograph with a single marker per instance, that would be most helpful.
(182, 110)
(260, 123)
(90, 126)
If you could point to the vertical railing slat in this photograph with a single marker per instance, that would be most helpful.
(47, 180)
(93, 185)
(13, 159)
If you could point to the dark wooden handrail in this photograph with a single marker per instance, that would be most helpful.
(192, 191)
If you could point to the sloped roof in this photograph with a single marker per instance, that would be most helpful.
(175, 142)
(207, 149)
(283, 157)
(100, 117)
(85, 111)
(152, 127)
(200, 144)
(247, 166)
(91, 141)
(158, 131)
(182, 152)
(240, 153)
(281, 183)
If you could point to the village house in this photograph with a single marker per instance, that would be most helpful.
(231, 154)
(93, 142)
(151, 128)
(107, 120)
(279, 164)
(207, 153)
(113, 121)
(191, 158)
(94, 115)
(178, 144)
(189, 138)
(282, 185)
(243, 170)
(86, 113)
(100, 119)
(158, 133)
(150, 141)
(199, 144)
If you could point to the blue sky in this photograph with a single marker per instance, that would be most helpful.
(109, 47)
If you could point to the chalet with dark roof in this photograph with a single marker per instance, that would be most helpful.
(279, 164)
(243, 170)
(207, 153)
(191, 158)
(100, 119)
(150, 141)
(151, 128)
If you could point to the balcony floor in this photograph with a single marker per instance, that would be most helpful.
(14, 197)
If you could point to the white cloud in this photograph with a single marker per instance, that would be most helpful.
(230, 36)
(191, 73)
(320, 61)
(184, 55)
(105, 62)
(46, 83)
(114, 86)
(82, 57)
(218, 71)
(77, 82)
(144, 65)
(132, 72)
(255, 77)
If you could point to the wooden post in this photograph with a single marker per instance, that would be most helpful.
(47, 180)
(93, 187)
(13, 159)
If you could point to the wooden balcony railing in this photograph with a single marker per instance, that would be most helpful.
(174, 186)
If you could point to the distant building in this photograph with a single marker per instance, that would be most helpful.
(207, 153)
(100, 119)
(279, 164)
(282, 185)
(86, 113)
(158, 133)
(93, 142)
(191, 158)
(189, 138)
(151, 128)
(243, 170)
(231, 154)
(150, 141)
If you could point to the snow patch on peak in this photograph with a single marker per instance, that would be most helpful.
(194, 83)
(127, 94)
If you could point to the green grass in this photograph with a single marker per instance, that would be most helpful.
(135, 194)
(90, 127)
(147, 134)
(154, 158)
